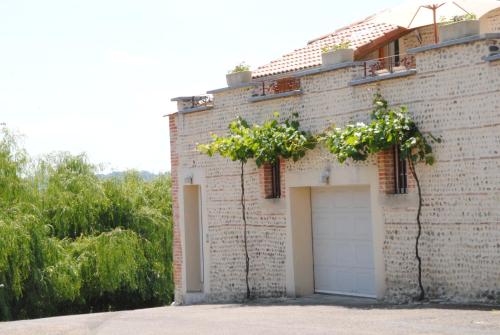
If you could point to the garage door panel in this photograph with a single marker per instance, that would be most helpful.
(342, 204)
(364, 282)
(341, 230)
(324, 249)
(325, 276)
(362, 229)
(342, 237)
(325, 231)
(359, 197)
(343, 280)
(343, 253)
(363, 254)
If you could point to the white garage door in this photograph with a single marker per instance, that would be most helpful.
(342, 241)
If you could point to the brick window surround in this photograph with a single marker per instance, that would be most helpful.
(387, 166)
(268, 181)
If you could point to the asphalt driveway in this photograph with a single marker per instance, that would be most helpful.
(303, 316)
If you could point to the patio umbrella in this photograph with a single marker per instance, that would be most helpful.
(418, 13)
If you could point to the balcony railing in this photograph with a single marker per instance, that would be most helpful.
(194, 103)
(277, 86)
(201, 101)
(386, 65)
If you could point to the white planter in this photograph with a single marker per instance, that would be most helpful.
(337, 56)
(458, 30)
(238, 78)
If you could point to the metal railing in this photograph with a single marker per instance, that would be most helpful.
(201, 101)
(276, 86)
(391, 64)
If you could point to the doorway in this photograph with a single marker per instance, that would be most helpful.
(194, 238)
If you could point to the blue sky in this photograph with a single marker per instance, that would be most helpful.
(97, 76)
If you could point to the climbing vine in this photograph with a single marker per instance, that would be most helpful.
(388, 127)
(272, 140)
(265, 143)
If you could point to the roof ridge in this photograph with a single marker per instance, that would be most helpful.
(361, 32)
(341, 29)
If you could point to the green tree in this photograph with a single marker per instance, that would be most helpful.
(72, 242)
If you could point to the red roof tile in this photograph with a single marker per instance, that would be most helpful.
(359, 34)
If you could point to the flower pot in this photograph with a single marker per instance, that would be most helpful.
(337, 56)
(460, 29)
(238, 78)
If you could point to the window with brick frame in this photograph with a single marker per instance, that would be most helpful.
(271, 180)
(400, 173)
(394, 175)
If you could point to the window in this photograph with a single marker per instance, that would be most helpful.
(275, 180)
(286, 85)
(400, 173)
(396, 52)
(271, 181)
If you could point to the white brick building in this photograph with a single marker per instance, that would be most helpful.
(348, 234)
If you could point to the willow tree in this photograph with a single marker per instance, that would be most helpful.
(265, 143)
(388, 128)
(71, 242)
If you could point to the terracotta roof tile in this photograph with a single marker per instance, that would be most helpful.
(359, 34)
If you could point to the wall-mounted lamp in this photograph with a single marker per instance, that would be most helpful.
(325, 176)
(188, 179)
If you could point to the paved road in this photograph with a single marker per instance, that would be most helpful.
(282, 317)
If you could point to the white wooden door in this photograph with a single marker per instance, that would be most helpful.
(343, 241)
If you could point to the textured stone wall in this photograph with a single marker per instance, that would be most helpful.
(455, 94)
(419, 37)
(490, 22)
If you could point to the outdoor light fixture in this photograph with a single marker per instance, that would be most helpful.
(325, 176)
(188, 179)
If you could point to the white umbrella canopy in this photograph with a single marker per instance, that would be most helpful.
(418, 13)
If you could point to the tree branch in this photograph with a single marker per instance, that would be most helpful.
(419, 224)
(247, 259)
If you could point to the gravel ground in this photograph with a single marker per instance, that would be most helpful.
(313, 315)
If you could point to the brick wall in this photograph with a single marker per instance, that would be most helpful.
(266, 180)
(174, 161)
(385, 163)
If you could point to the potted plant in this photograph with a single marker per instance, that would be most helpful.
(239, 75)
(337, 53)
(458, 27)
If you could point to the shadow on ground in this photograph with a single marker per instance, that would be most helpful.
(357, 303)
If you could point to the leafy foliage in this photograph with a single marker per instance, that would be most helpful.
(457, 18)
(265, 143)
(242, 67)
(71, 242)
(388, 127)
(334, 47)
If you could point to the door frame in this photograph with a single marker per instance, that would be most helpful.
(312, 237)
(194, 177)
(299, 264)
(193, 223)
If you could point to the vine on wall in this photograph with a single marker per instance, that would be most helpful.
(265, 143)
(273, 140)
(388, 127)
